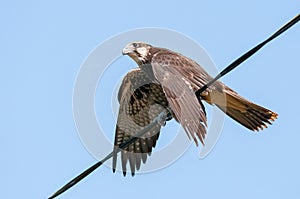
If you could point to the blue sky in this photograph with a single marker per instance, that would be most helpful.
(43, 45)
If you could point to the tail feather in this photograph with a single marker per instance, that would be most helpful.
(248, 114)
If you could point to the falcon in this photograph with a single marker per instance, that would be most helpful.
(167, 81)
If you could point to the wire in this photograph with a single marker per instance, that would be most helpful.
(248, 54)
(160, 119)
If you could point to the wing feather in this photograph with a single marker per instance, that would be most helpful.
(141, 101)
(176, 75)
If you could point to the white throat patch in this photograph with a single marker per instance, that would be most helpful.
(143, 52)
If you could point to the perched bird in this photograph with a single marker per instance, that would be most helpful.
(167, 80)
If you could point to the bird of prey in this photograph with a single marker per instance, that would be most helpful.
(167, 80)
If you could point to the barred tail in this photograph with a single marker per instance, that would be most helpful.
(248, 114)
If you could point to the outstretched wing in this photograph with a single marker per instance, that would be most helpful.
(141, 101)
(180, 78)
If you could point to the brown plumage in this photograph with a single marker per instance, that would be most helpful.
(141, 101)
(167, 79)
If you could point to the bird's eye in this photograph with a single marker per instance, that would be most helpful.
(135, 45)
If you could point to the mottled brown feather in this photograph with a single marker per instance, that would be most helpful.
(141, 101)
(177, 66)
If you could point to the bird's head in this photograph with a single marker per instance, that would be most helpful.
(138, 51)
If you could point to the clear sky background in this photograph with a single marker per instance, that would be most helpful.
(43, 44)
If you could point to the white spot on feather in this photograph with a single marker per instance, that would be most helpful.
(166, 75)
(187, 82)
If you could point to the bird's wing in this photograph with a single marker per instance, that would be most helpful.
(178, 78)
(141, 101)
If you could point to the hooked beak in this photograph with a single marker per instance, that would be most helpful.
(127, 50)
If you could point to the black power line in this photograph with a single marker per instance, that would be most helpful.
(248, 54)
